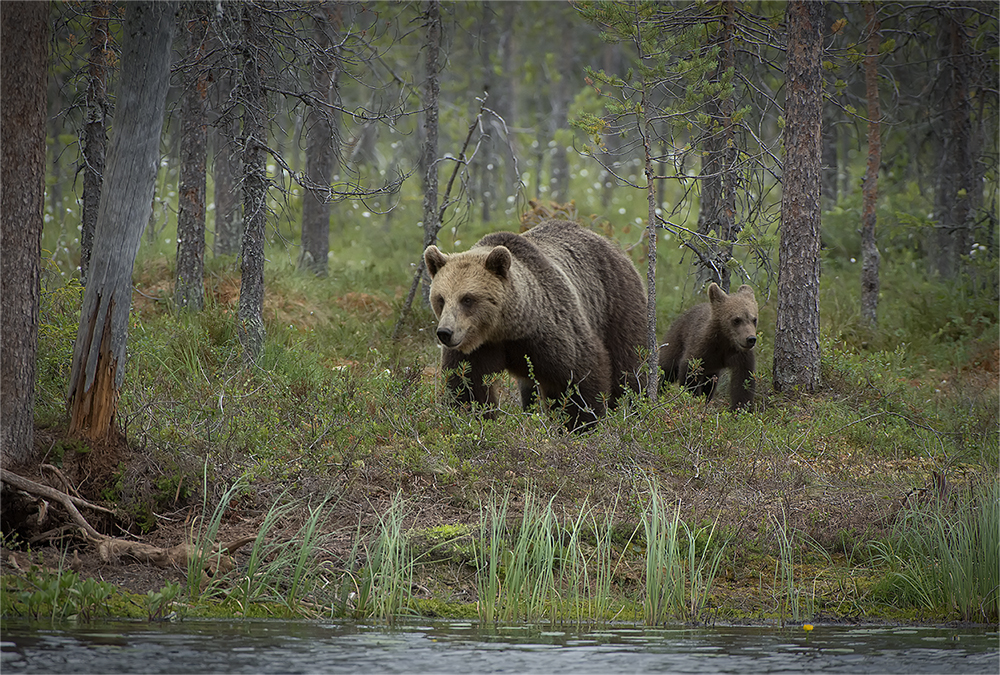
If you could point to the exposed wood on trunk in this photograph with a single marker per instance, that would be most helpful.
(93, 410)
(126, 203)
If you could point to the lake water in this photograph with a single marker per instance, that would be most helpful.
(461, 647)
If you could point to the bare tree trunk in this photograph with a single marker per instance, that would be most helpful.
(95, 134)
(322, 134)
(250, 315)
(227, 165)
(24, 28)
(126, 199)
(189, 284)
(796, 339)
(869, 247)
(428, 157)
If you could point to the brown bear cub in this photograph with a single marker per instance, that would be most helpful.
(721, 333)
(559, 307)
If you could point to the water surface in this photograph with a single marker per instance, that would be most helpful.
(199, 646)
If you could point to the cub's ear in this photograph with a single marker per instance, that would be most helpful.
(716, 294)
(745, 289)
(498, 261)
(434, 259)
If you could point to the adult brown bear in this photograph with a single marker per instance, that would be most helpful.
(721, 333)
(559, 307)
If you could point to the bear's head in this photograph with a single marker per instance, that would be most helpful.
(735, 314)
(468, 291)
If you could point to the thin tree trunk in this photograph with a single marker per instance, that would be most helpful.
(322, 134)
(95, 134)
(189, 285)
(717, 219)
(796, 339)
(652, 343)
(24, 28)
(561, 99)
(250, 315)
(829, 188)
(952, 199)
(126, 198)
(227, 165)
(869, 247)
(428, 158)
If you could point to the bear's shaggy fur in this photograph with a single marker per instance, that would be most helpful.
(721, 333)
(559, 307)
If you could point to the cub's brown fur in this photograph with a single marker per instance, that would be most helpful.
(721, 333)
(559, 307)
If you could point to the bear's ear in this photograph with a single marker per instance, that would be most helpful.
(716, 294)
(433, 259)
(498, 261)
(745, 289)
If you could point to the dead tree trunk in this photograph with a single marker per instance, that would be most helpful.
(126, 201)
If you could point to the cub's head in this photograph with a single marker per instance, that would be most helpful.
(735, 314)
(467, 294)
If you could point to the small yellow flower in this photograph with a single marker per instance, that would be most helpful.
(807, 626)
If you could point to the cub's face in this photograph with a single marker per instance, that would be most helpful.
(467, 294)
(736, 314)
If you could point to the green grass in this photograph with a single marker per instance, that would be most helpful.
(945, 555)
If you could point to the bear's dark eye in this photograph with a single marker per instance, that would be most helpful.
(467, 301)
(755, 321)
(737, 321)
(438, 302)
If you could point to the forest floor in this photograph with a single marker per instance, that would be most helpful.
(838, 503)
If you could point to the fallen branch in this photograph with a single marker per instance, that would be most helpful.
(217, 559)
(30, 486)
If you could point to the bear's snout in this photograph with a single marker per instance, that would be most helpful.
(445, 336)
(751, 341)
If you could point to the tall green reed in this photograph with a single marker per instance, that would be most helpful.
(678, 582)
(543, 568)
(664, 596)
(383, 584)
(204, 538)
(947, 554)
